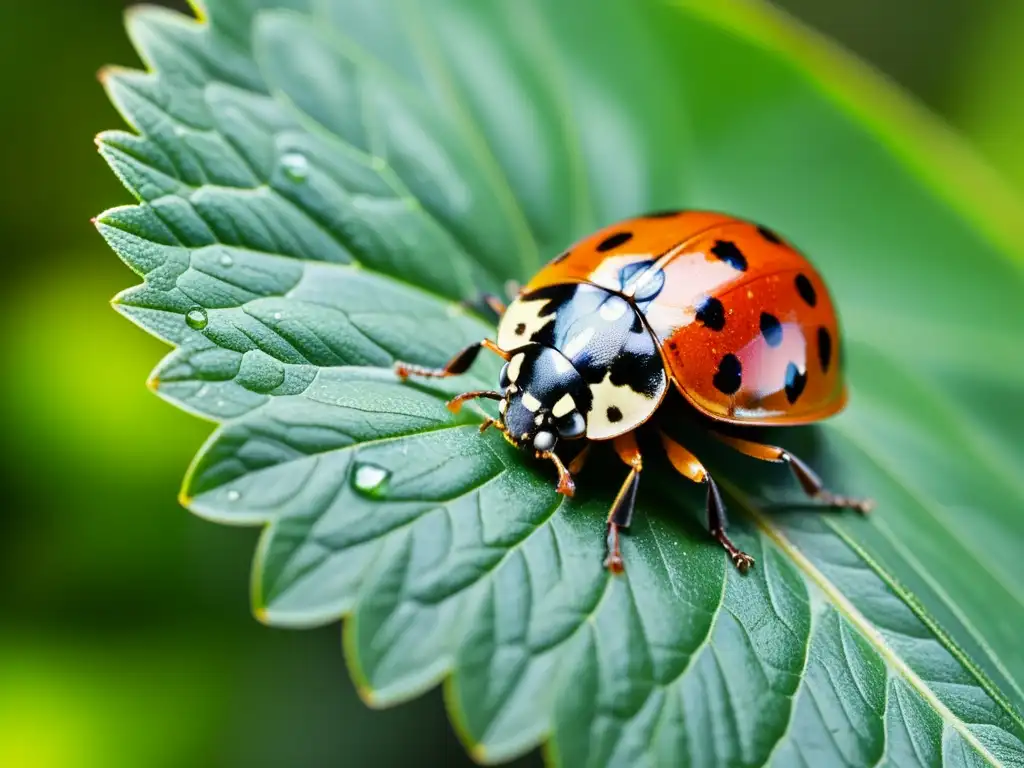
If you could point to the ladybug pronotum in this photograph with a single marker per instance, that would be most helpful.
(725, 310)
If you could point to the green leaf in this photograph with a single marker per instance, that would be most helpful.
(321, 184)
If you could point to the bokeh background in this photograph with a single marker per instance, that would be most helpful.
(125, 632)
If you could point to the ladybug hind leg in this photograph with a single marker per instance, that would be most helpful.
(686, 464)
(807, 478)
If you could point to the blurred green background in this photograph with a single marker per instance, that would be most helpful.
(125, 636)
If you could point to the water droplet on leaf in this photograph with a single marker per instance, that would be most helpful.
(234, 495)
(295, 166)
(196, 318)
(226, 260)
(370, 480)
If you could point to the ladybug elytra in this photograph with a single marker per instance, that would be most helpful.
(722, 308)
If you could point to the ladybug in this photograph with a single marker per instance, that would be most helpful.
(723, 309)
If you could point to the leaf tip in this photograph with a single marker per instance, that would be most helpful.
(184, 499)
(261, 614)
(153, 382)
(108, 72)
(368, 695)
(478, 752)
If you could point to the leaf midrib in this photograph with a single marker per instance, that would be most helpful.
(867, 629)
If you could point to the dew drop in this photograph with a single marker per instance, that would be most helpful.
(196, 318)
(226, 260)
(234, 495)
(370, 480)
(277, 315)
(295, 166)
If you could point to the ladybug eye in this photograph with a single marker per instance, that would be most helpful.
(572, 425)
(503, 380)
(544, 441)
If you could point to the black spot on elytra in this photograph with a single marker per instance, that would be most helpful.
(613, 414)
(711, 314)
(824, 348)
(520, 329)
(795, 382)
(664, 214)
(729, 376)
(771, 329)
(727, 251)
(806, 290)
(559, 258)
(770, 236)
(614, 241)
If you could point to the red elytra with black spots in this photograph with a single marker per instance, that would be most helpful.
(746, 326)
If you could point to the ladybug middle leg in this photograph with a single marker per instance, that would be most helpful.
(808, 479)
(621, 513)
(458, 364)
(688, 466)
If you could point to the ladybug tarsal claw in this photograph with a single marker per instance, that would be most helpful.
(742, 561)
(614, 564)
(864, 506)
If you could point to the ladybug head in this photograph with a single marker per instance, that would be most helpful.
(544, 399)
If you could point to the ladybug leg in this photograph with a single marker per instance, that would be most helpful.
(497, 306)
(458, 364)
(621, 513)
(566, 486)
(807, 477)
(455, 404)
(688, 466)
(489, 300)
(576, 465)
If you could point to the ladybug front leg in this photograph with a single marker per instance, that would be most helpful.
(688, 466)
(621, 513)
(458, 364)
(808, 479)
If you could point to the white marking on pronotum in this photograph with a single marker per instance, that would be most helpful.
(538, 419)
(526, 314)
(514, 366)
(530, 402)
(565, 405)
